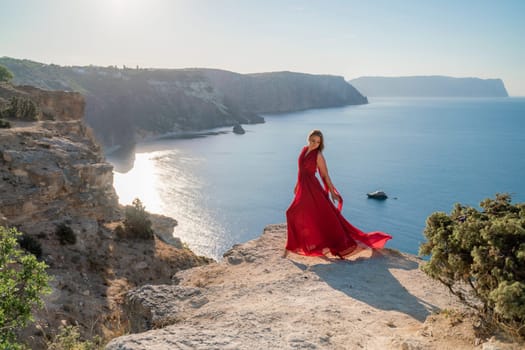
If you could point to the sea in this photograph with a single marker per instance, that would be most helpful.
(426, 153)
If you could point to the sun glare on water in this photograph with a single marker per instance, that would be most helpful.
(167, 183)
(140, 182)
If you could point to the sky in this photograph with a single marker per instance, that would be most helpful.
(350, 38)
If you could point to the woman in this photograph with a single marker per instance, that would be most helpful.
(315, 226)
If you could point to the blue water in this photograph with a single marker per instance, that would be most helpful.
(426, 154)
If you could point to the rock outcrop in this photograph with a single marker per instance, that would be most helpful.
(53, 105)
(256, 299)
(429, 86)
(53, 173)
(53, 169)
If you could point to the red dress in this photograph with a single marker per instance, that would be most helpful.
(315, 226)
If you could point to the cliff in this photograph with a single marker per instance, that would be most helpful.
(127, 105)
(280, 92)
(429, 86)
(53, 173)
(256, 299)
(52, 168)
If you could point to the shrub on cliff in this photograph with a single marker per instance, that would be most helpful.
(69, 338)
(137, 223)
(4, 124)
(22, 282)
(20, 108)
(5, 74)
(31, 245)
(480, 257)
(65, 234)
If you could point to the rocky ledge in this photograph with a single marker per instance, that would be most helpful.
(256, 299)
(52, 172)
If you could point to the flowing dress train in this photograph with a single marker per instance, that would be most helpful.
(315, 226)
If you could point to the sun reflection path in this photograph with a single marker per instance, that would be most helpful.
(140, 182)
(167, 182)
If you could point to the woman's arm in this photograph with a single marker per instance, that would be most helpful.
(323, 171)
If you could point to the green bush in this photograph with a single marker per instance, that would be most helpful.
(4, 124)
(5, 74)
(22, 282)
(68, 338)
(480, 257)
(136, 224)
(30, 244)
(21, 108)
(65, 234)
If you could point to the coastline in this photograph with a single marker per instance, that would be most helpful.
(122, 157)
(440, 171)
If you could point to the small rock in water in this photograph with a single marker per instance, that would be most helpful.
(238, 129)
(377, 195)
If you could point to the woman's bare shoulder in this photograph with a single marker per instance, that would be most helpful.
(320, 158)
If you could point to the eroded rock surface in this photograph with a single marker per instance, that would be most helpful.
(256, 299)
(52, 172)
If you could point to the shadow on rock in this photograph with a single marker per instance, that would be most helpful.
(370, 281)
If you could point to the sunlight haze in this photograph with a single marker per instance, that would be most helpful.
(350, 38)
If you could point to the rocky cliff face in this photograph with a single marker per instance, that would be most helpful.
(53, 105)
(280, 92)
(53, 172)
(429, 86)
(53, 169)
(126, 105)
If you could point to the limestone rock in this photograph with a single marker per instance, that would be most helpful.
(158, 306)
(255, 299)
(49, 174)
(163, 227)
(52, 105)
(53, 172)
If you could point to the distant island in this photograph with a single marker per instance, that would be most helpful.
(126, 105)
(429, 86)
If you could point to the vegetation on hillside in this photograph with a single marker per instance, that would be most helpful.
(5, 74)
(23, 280)
(20, 108)
(4, 124)
(137, 224)
(68, 338)
(480, 256)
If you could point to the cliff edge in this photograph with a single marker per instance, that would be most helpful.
(256, 299)
(53, 174)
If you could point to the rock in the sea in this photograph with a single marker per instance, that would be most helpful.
(238, 129)
(377, 195)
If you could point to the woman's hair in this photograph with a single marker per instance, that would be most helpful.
(317, 133)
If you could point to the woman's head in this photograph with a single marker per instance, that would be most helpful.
(315, 140)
